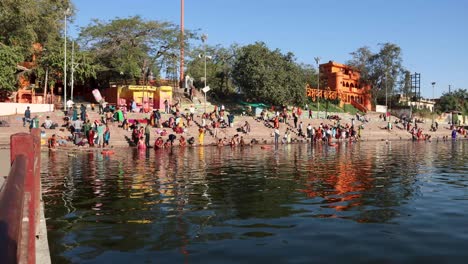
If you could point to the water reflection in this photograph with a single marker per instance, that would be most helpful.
(172, 204)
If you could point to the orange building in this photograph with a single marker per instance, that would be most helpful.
(344, 83)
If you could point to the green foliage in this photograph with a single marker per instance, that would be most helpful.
(9, 59)
(219, 65)
(454, 101)
(269, 76)
(423, 112)
(131, 48)
(348, 108)
(405, 83)
(25, 22)
(381, 70)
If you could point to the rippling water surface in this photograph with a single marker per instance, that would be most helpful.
(362, 203)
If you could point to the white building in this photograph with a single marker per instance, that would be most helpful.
(421, 104)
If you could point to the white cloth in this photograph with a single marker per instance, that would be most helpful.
(77, 124)
(70, 103)
(48, 123)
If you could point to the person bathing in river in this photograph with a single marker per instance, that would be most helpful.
(234, 140)
(106, 136)
(201, 136)
(159, 143)
(191, 141)
(53, 142)
(141, 143)
(182, 142)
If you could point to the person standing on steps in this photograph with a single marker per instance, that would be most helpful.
(83, 112)
(166, 107)
(295, 119)
(27, 116)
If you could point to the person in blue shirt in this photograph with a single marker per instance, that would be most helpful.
(454, 134)
(27, 116)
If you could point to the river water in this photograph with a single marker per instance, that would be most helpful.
(371, 202)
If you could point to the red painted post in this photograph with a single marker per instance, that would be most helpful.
(23, 144)
(11, 213)
(36, 134)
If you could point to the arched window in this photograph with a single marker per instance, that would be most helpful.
(347, 84)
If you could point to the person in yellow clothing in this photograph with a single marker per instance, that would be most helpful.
(201, 136)
(181, 123)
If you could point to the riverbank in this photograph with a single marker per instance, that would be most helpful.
(260, 132)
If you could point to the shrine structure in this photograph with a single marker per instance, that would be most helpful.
(342, 82)
(28, 84)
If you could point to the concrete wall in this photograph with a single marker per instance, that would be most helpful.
(380, 108)
(18, 108)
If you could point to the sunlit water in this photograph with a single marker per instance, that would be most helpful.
(401, 202)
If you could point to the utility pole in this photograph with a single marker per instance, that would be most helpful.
(433, 100)
(72, 69)
(386, 90)
(204, 37)
(317, 60)
(182, 42)
(65, 64)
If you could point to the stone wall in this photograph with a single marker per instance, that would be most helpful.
(19, 108)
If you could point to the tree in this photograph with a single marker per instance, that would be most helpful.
(405, 84)
(310, 74)
(269, 76)
(27, 22)
(381, 70)
(361, 60)
(454, 101)
(130, 48)
(218, 68)
(9, 59)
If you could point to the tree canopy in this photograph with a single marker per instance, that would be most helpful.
(219, 63)
(454, 101)
(381, 70)
(269, 76)
(130, 48)
(9, 58)
(25, 22)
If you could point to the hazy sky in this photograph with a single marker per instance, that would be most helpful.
(433, 34)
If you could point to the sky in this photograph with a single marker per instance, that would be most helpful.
(433, 34)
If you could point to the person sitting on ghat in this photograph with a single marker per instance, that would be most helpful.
(49, 124)
(246, 127)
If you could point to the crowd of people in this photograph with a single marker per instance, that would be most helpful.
(171, 126)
